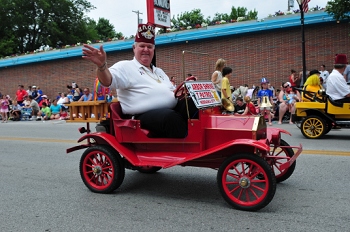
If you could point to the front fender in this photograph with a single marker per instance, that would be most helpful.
(274, 134)
(261, 145)
(319, 113)
(107, 139)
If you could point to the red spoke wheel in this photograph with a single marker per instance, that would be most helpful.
(101, 169)
(281, 154)
(239, 183)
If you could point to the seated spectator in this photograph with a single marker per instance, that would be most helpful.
(47, 101)
(62, 101)
(26, 101)
(239, 106)
(34, 105)
(44, 113)
(287, 97)
(77, 92)
(70, 96)
(56, 110)
(87, 96)
(312, 86)
(250, 108)
(58, 96)
(15, 113)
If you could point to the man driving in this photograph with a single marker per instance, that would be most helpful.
(144, 91)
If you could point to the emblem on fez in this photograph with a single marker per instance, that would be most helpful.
(147, 34)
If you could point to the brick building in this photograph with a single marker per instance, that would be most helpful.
(269, 48)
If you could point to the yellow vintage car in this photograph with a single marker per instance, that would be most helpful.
(319, 116)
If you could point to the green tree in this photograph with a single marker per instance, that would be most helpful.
(340, 9)
(196, 17)
(220, 16)
(105, 29)
(235, 13)
(28, 24)
(186, 19)
(7, 35)
(243, 12)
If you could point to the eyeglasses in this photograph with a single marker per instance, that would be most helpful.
(286, 86)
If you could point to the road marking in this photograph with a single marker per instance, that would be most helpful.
(324, 152)
(304, 152)
(38, 140)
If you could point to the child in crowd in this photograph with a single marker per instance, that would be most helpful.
(44, 113)
(15, 113)
(250, 107)
(265, 92)
(4, 107)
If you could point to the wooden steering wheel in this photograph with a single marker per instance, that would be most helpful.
(181, 91)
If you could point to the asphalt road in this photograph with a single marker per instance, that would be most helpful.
(41, 189)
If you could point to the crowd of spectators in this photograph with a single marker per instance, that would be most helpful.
(33, 104)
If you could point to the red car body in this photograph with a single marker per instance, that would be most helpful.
(242, 148)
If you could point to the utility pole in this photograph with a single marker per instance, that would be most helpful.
(138, 16)
(290, 4)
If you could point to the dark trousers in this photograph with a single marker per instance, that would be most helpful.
(168, 123)
(344, 100)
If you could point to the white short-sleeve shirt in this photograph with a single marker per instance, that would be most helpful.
(139, 89)
(336, 86)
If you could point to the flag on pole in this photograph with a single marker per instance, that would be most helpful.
(306, 5)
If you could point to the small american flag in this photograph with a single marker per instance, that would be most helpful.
(306, 5)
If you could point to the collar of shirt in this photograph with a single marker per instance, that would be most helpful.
(143, 68)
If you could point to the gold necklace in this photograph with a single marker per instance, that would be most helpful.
(157, 80)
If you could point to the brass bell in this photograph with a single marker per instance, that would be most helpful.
(265, 102)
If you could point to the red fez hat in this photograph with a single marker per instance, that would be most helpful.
(341, 59)
(145, 33)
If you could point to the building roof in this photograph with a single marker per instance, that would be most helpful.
(209, 32)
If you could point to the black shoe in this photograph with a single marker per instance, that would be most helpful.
(38, 119)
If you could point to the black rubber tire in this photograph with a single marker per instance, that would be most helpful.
(329, 127)
(274, 164)
(239, 184)
(102, 169)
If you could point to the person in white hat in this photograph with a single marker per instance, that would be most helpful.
(144, 91)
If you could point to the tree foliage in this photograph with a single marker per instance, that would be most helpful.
(105, 29)
(235, 14)
(196, 17)
(188, 18)
(28, 24)
(340, 9)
